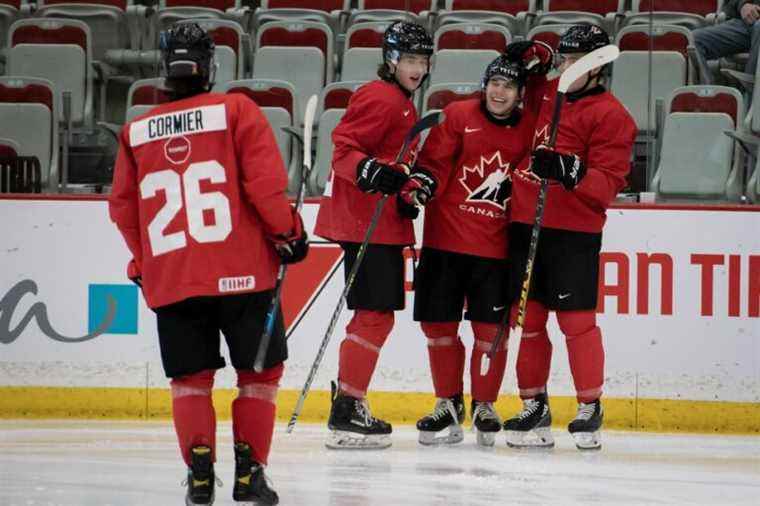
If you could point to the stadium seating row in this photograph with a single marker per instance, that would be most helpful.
(302, 54)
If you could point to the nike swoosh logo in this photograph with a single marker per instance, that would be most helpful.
(498, 308)
(469, 130)
(546, 98)
(406, 113)
(564, 296)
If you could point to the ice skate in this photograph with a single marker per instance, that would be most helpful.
(200, 477)
(531, 428)
(447, 415)
(352, 425)
(585, 427)
(251, 484)
(486, 422)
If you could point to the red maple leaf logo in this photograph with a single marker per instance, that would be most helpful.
(484, 181)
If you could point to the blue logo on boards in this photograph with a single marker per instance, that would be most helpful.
(121, 300)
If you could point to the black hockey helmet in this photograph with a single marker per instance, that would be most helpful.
(506, 68)
(403, 37)
(582, 39)
(187, 53)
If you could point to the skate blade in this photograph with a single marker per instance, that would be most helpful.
(537, 438)
(455, 435)
(485, 439)
(585, 441)
(344, 440)
(189, 502)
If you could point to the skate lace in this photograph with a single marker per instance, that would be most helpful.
(485, 411)
(530, 406)
(444, 407)
(362, 407)
(585, 411)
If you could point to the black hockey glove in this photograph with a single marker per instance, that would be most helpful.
(419, 188)
(373, 176)
(417, 191)
(536, 57)
(405, 209)
(293, 248)
(549, 164)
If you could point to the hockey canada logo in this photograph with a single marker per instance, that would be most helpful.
(485, 182)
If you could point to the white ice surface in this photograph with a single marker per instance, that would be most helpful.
(134, 463)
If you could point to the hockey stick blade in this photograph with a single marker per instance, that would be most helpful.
(587, 63)
(271, 317)
(423, 124)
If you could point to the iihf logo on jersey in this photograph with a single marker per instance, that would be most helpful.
(485, 182)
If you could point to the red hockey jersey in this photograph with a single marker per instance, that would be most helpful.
(378, 117)
(198, 185)
(598, 129)
(471, 158)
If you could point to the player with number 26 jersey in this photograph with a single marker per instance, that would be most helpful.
(199, 196)
(211, 187)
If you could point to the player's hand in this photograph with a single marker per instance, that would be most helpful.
(374, 176)
(405, 209)
(537, 57)
(294, 247)
(419, 188)
(750, 13)
(133, 273)
(568, 169)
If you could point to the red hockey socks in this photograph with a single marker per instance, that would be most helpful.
(535, 356)
(193, 412)
(253, 411)
(365, 335)
(446, 353)
(485, 388)
(585, 352)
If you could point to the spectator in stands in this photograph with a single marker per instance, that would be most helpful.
(738, 34)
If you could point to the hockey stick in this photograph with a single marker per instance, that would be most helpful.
(587, 63)
(425, 123)
(266, 336)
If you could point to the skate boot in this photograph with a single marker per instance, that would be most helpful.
(200, 477)
(352, 425)
(486, 422)
(251, 484)
(585, 427)
(448, 414)
(531, 427)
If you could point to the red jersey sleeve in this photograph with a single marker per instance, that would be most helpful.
(123, 204)
(263, 173)
(360, 132)
(609, 157)
(535, 89)
(442, 149)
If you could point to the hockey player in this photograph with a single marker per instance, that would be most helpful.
(199, 196)
(586, 170)
(367, 142)
(470, 157)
